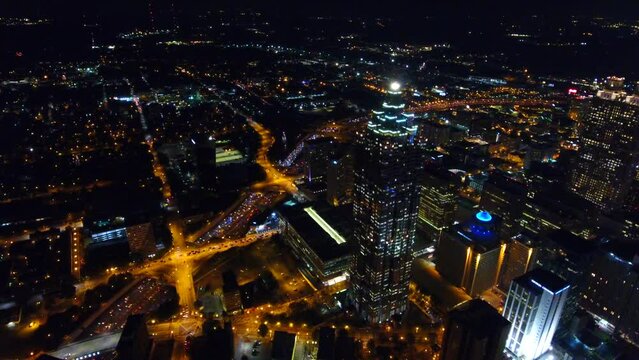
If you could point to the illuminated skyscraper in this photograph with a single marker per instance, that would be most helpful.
(385, 199)
(437, 206)
(470, 254)
(534, 306)
(609, 152)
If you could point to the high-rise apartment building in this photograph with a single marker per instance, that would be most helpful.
(609, 151)
(534, 305)
(385, 200)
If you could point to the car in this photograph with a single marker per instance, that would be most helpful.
(255, 352)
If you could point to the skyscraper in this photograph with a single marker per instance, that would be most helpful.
(521, 257)
(474, 331)
(437, 206)
(611, 293)
(134, 342)
(534, 305)
(339, 179)
(609, 152)
(470, 254)
(385, 199)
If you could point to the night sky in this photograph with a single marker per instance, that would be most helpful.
(132, 10)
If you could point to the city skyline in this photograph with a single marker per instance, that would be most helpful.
(331, 180)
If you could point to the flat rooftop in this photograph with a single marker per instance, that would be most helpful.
(325, 229)
(540, 279)
(480, 316)
(94, 345)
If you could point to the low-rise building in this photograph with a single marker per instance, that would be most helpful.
(318, 235)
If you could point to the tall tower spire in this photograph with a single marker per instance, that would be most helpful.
(391, 118)
(385, 210)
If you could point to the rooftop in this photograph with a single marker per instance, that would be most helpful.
(481, 231)
(540, 279)
(324, 228)
(480, 316)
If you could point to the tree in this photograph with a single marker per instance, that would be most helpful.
(262, 330)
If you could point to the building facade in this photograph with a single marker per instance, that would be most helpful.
(609, 151)
(437, 206)
(505, 197)
(385, 200)
(339, 180)
(611, 293)
(471, 254)
(534, 305)
(317, 239)
(521, 257)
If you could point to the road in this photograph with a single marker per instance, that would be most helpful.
(274, 178)
(103, 308)
(77, 251)
(442, 105)
(142, 298)
(177, 265)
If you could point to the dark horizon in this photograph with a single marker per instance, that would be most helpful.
(407, 8)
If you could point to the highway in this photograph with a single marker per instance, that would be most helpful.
(442, 105)
(274, 178)
(106, 306)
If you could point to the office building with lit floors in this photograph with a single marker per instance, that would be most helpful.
(521, 257)
(474, 331)
(437, 206)
(385, 200)
(609, 151)
(470, 254)
(533, 306)
(611, 293)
